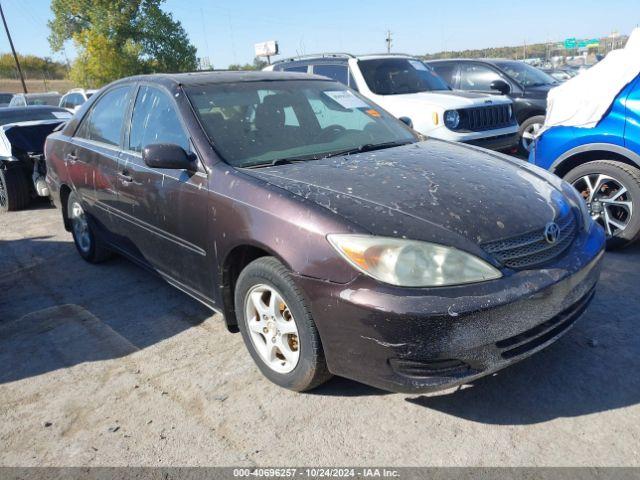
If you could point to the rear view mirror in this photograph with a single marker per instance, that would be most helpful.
(501, 86)
(167, 155)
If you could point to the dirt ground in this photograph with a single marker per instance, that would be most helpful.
(35, 85)
(107, 365)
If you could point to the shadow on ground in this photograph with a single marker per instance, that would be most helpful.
(57, 311)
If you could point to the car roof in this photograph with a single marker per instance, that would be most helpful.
(480, 60)
(39, 94)
(340, 57)
(220, 76)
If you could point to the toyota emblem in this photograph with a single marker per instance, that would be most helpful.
(551, 232)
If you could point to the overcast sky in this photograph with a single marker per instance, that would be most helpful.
(226, 31)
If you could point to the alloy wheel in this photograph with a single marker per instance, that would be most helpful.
(529, 134)
(80, 227)
(608, 200)
(272, 328)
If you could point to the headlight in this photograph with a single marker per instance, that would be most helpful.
(452, 119)
(580, 202)
(409, 263)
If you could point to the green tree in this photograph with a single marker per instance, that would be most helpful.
(258, 64)
(118, 38)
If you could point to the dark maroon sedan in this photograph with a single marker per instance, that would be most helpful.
(332, 236)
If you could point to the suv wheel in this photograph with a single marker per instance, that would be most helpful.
(528, 131)
(277, 326)
(14, 190)
(612, 192)
(88, 244)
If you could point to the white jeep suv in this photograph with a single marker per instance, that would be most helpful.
(412, 91)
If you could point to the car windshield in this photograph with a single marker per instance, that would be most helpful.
(395, 76)
(526, 75)
(260, 123)
(52, 100)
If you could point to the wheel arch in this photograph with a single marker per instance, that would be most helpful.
(592, 152)
(65, 191)
(234, 262)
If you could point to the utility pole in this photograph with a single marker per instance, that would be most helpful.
(15, 56)
(388, 40)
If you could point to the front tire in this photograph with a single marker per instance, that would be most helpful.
(528, 132)
(89, 245)
(14, 190)
(612, 192)
(277, 327)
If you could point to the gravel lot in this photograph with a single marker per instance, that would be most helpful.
(107, 365)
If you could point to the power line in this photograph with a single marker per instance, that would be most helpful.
(15, 56)
(388, 40)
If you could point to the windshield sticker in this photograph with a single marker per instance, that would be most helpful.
(345, 99)
(373, 113)
(418, 65)
(61, 114)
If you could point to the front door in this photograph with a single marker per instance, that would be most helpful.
(166, 210)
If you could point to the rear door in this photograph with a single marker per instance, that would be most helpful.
(166, 210)
(92, 154)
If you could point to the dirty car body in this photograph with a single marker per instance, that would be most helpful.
(254, 190)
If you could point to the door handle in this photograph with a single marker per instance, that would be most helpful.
(125, 177)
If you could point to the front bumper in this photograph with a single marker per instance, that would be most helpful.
(421, 340)
(502, 143)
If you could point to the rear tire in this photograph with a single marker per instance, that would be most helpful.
(14, 190)
(89, 245)
(528, 129)
(293, 360)
(617, 210)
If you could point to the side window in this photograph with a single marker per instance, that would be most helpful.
(75, 99)
(104, 122)
(155, 120)
(446, 71)
(477, 77)
(298, 68)
(336, 72)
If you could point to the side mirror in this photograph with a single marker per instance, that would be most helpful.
(407, 121)
(501, 86)
(167, 155)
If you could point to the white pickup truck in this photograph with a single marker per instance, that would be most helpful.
(412, 91)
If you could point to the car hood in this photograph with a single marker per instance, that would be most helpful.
(449, 99)
(433, 191)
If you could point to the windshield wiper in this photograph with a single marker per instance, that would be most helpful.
(283, 161)
(368, 147)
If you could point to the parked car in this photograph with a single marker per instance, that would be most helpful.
(558, 74)
(324, 229)
(525, 85)
(603, 164)
(411, 91)
(28, 99)
(22, 169)
(74, 98)
(5, 98)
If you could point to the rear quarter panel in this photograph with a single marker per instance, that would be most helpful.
(632, 127)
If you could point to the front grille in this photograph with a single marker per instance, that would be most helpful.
(486, 118)
(531, 249)
(526, 341)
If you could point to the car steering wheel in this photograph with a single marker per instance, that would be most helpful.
(331, 132)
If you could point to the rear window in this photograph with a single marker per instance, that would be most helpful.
(299, 68)
(52, 100)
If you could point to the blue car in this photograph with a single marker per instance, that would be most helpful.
(603, 164)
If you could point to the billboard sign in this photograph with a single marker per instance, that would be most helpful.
(266, 49)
